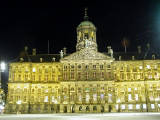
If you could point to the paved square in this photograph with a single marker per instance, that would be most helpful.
(105, 116)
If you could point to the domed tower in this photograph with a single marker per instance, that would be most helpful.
(86, 35)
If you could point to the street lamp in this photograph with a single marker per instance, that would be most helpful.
(2, 69)
(18, 105)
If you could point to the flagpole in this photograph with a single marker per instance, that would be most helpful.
(48, 46)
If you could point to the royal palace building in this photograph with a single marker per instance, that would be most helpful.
(85, 81)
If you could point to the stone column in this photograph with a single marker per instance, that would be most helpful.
(61, 108)
(69, 108)
(106, 108)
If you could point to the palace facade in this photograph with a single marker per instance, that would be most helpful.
(85, 81)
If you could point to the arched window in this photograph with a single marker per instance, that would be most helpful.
(94, 108)
(87, 108)
(80, 108)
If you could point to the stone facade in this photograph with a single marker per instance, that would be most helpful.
(84, 82)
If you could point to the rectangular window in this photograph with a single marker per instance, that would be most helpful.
(123, 107)
(94, 74)
(128, 76)
(24, 98)
(46, 99)
(102, 74)
(130, 106)
(79, 75)
(65, 76)
(109, 97)
(144, 106)
(86, 75)
(87, 98)
(152, 106)
(94, 97)
(46, 77)
(72, 75)
(94, 66)
(101, 67)
(136, 97)
(129, 97)
(129, 89)
(117, 107)
(137, 106)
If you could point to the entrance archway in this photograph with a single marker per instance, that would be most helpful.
(80, 108)
(94, 108)
(72, 109)
(110, 108)
(65, 109)
(102, 109)
(87, 109)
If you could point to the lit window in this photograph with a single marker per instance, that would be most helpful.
(46, 99)
(129, 97)
(157, 99)
(19, 102)
(46, 90)
(123, 107)
(52, 98)
(87, 98)
(140, 67)
(144, 106)
(150, 76)
(151, 98)
(34, 69)
(135, 89)
(136, 96)
(109, 97)
(129, 89)
(155, 67)
(94, 97)
(118, 100)
(102, 96)
(117, 107)
(130, 106)
(65, 97)
(137, 106)
(94, 74)
(80, 98)
(148, 66)
(152, 106)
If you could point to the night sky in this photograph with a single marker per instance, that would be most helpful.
(33, 23)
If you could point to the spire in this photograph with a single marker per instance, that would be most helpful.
(85, 14)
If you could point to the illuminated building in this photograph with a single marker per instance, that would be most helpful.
(85, 81)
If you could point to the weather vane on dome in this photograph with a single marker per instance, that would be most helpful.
(85, 14)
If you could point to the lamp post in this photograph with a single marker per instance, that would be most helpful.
(2, 69)
(18, 105)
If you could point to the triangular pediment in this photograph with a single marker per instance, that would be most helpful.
(87, 54)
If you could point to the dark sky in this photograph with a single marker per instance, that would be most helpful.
(33, 23)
